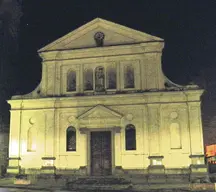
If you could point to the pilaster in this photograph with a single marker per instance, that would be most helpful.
(48, 166)
(198, 168)
(121, 76)
(156, 170)
(118, 76)
(196, 135)
(145, 131)
(154, 129)
(13, 166)
(117, 146)
(83, 143)
(50, 133)
(14, 144)
(81, 79)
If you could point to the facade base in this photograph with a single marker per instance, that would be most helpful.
(199, 174)
(13, 170)
(152, 174)
(48, 170)
(156, 174)
(13, 166)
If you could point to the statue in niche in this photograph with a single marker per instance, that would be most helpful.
(99, 79)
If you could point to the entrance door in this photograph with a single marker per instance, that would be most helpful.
(101, 153)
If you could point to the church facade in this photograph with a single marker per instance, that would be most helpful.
(104, 107)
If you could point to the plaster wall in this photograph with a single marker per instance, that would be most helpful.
(152, 122)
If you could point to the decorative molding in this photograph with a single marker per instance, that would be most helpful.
(13, 167)
(71, 119)
(48, 158)
(156, 157)
(196, 156)
(174, 115)
(99, 110)
(129, 117)
(85, 130)
(14, 158)
(192, 166)
(32, 120)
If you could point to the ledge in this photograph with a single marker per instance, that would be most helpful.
(14, 158)
(85, 130)
(48, 158)
(198, 166)
(156, 157)
(156, 167)
(13, 167)
(82, 167)
(194, 156)
(48, 168)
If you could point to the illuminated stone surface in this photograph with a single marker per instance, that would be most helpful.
(154, 106)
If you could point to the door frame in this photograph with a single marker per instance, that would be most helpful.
(89, 148)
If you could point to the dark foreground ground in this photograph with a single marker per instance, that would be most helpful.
(7, 185)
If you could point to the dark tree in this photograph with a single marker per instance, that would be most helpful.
(10, 14)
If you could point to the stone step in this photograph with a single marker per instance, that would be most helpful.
(100, 181)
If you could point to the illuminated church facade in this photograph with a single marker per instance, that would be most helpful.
(104, 107)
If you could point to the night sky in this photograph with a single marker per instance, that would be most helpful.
(187, 26)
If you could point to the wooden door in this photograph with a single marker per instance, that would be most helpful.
(101, 153)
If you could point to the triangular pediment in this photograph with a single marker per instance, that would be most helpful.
(115, 34)
(99, 111)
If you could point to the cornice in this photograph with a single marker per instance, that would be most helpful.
(152, 98)
(140, 48)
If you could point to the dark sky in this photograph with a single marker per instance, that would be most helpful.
(188, 27)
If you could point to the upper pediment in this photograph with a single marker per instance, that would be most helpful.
(98, 112)
(115, 34)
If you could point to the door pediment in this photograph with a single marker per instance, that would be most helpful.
(99, 112)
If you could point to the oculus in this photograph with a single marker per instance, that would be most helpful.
(99, 38)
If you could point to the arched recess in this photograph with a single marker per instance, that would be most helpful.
(129, 77)
(111, 78)
(31, 139)
(130, 137)
(71, 139)
(88, 79)
(99, 79)
(175, 136)
(71, 80)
